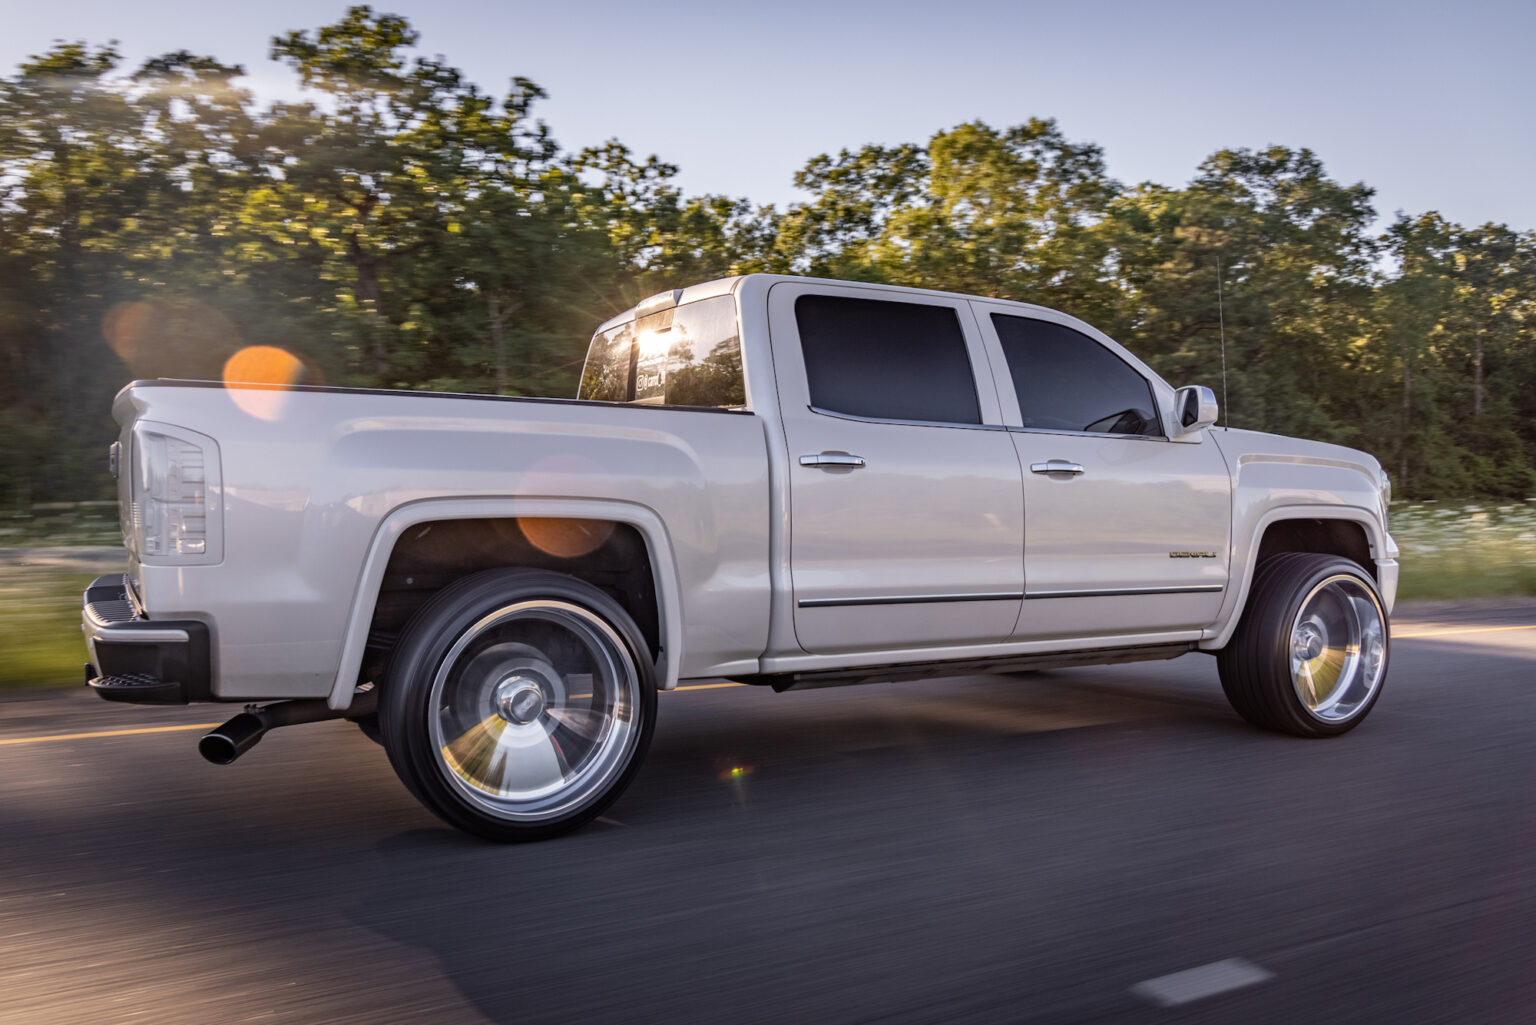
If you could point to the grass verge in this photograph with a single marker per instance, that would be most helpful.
(40, 626)
(1466, 551)
(1452, 577)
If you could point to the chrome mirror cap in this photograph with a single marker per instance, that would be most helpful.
(1194, 408)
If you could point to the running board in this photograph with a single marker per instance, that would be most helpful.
(815, 678)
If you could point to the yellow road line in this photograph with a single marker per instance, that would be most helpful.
(211, 725)
(109, 733)
(1463, 630)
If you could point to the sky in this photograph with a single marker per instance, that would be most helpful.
(1429, 103)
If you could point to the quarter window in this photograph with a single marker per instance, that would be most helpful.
(1066, 381)
(886, 360)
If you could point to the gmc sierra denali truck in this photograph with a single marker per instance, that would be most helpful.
(775, 480)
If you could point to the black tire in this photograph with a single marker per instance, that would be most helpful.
(1310, 617)
(369, 725)
(480, 710)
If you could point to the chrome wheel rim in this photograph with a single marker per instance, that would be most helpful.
(533, 711)
(1338, 649)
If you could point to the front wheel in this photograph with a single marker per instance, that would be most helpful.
(1310, 654)
(518, 704)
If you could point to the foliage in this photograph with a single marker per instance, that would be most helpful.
(1466, 551)
(399, 227)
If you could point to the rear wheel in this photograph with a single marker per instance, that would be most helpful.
(518, 704)
(1310, 654)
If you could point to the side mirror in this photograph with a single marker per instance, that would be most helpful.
(1196, 405)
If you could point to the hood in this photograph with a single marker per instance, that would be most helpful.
(1239, 446)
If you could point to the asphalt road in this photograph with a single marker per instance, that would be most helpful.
(989, 849)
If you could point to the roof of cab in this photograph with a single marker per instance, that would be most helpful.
(727, 286)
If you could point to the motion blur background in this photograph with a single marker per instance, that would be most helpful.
(303, 193)
(246, 193)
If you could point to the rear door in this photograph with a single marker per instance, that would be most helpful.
(1126, 531)
(906, 503)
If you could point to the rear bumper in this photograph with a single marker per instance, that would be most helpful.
(139, 660)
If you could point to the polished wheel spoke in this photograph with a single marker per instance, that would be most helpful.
(475, 746)
(586, 723)
(534, 709)
(1330, 672)
(1338, 649)
(1309, 683)
(505, 760)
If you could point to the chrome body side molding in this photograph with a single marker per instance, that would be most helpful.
(1125, 591)
(902, 599)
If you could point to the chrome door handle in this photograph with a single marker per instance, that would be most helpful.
(833, 461)
(1056, 466)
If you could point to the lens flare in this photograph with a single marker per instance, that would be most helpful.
(271, 369)
(123, 329)
(653, 344)
(735, 775)
(565, 539)
(169, 337)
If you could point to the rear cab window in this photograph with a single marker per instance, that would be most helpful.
(687, 355)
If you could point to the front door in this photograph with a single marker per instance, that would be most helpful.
(1126, 531)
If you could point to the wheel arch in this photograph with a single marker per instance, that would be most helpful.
(1346, 531)
(393, 528)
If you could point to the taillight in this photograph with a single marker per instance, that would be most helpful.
(176, 495)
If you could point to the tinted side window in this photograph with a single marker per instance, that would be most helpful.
(1066, 381)
(886, 360)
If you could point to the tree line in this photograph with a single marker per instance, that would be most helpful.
(399, 227)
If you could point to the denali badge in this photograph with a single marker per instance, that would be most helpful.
(1191, 555)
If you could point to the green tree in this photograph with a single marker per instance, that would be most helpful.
(356, 184)
(71, 171)
(1296, 258)
(401, 227)
(1458, 316)
(854, 196)
(1004, 212)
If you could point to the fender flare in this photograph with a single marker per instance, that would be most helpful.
(404, 517)
(1382, 551)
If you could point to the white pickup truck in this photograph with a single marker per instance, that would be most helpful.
(776, 480)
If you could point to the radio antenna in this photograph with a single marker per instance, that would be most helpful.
(1221, 321)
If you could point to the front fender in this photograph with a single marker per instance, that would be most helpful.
(1246, 547)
